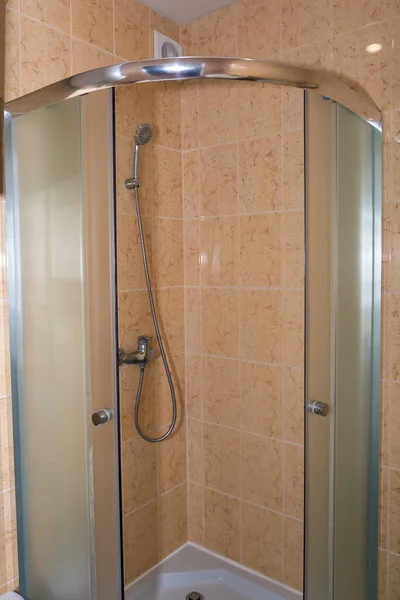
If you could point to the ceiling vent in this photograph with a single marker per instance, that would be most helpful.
(165, 47)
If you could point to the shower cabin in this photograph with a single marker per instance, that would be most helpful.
(219, 296)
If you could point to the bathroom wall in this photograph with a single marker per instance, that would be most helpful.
(244, 366)
(154, 475)
(243, 202)
(244, 457)
(46, 41)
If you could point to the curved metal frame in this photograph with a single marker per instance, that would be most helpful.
(185, 68)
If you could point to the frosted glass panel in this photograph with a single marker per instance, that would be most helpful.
(53, 494)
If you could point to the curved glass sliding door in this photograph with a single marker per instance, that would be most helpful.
(63, 350)
(343, 301)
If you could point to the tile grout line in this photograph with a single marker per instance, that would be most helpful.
(239, 315)
(184, 233)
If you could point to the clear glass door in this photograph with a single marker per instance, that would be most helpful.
(59, 184)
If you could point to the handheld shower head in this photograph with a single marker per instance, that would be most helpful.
(143, 134)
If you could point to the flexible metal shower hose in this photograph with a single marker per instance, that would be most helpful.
(159, 339)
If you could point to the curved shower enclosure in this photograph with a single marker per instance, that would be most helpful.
(237, 454)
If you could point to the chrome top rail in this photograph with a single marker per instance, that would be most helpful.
(186, 68)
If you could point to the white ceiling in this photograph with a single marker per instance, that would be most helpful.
(182, 11)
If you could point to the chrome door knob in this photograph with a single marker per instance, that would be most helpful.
(321, 409)
(101, 417)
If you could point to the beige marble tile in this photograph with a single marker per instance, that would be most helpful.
(139, 473)
(195, 514)
(357, 13)
(6, 445)
(3, 258)
(294, 481)
(55, 13)
(261, 399)
(192, 256)
(191, 191)
(293, 554)
(382, 575)
(167, 169)
(217, 112)
(167, 115)
(193, 386)
(392, 325)
(383, 507)
(384, 450)
(218, 180)
(170, 304)
(293, 328)
(5, 366)
(221, 402)
(164, 25)
(128, 382)
(386, 235)
(195, 451)
(262, 542)
(371, 71)
(293, 258)
(220, 322)
(395, 60)
(260, 174)
(129, 254)
(92, 22)
(172, 520)
(261, 325)
(161, 396)
(11, 57)
(131, 27)
(189, 102)
(394, 457)
(8, 547)
(261, 250)
(217, 32)
(171, 459)
(222, 524)
(168, 252)
(193, 319)
(387, 363)
(394, 508)
(396, 159)
(316, 56)
(292, 108)
(134, 319)
(305, 21)
(293, 170)
(140, 541)
(259, 29)
(394, 577)
(86, 57)
(294, 405)
(133, 106)
(44, 55)
(219, 251)
(189, 37)
(261, 471)
(259, 109)
(221, 458)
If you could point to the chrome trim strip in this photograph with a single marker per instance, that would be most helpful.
(186, 68)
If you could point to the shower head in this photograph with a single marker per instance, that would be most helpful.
(143, 134)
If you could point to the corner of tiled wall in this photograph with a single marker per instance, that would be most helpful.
(333, 35)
